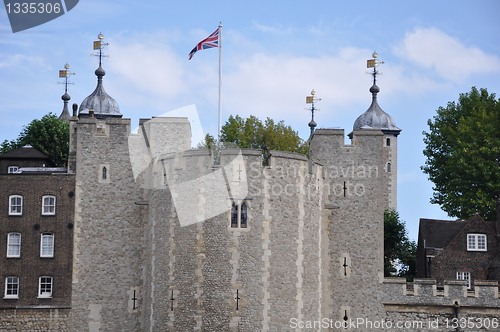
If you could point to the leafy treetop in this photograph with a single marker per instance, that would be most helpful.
(463, 155)
(48, 134)
(255, 134)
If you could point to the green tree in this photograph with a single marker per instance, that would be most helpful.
(255, 134)
(48, 134)
(463, 155)
(400, 254)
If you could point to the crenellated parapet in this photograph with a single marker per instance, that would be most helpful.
(431, 306)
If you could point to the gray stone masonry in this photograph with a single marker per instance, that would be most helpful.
(355, 187)
(108, 233)
(426, 306)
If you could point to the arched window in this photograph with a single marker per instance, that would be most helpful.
(243, 216)
(234, 216)
(49, 205)
(389, 167)
(239, 215)
(388, 142)
(104, 173)
(47, 245)
(15, 205)
(14, 245)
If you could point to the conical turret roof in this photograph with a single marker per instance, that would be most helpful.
(103, 104)
(375, 117)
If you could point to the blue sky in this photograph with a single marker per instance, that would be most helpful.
(274, 53)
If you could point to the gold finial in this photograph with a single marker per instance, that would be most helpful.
(99, 45)
(65, 74)
(311, 100)
(374, 63)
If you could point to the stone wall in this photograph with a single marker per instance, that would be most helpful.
(109, 229)
(357, 195)
(35, 320)
(206, 275)
(426, 306)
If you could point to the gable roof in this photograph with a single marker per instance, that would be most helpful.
(438, 233)
(26, 152)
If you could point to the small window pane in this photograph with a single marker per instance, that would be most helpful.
(481, 242)
(472, 242)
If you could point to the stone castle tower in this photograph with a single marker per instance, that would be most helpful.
(168, 240)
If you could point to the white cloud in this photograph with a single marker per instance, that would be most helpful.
(277, 29)
(150, 76)
(447, 56)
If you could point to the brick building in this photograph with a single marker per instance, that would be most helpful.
(36, 232)
(464, 250)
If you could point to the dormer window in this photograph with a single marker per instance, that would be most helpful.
(476, 242)
(13, 169)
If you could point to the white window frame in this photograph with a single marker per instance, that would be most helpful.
(13, 169)
(235, 215)
(464, 275)
(44, 283)
(14, 292)
(47, 247)
(477, 242)
(16, 206)
(49, 209)
(11, 243)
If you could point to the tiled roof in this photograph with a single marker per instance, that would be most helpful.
(26, 152)
(439, 233)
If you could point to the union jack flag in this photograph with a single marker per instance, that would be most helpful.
(209, 42)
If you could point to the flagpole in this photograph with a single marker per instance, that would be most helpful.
(220, 81)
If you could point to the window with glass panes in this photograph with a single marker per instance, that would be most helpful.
(48, 205)
(13, 245)
(47, 245)
(45, 287)
(11, 287)
(15, 205)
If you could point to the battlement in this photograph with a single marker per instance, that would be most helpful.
(429, 292)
